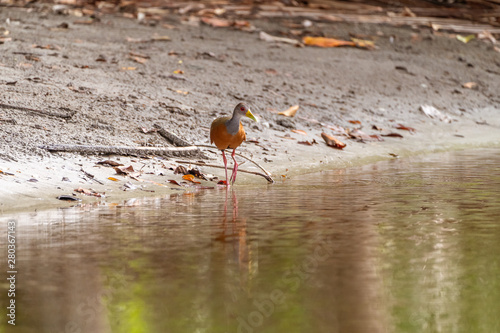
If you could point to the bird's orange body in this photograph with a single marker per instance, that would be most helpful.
(220, 136)
(228, 132)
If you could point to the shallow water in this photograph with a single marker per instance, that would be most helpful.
(401, 246)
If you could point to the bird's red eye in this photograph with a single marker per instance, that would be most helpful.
(242, 108)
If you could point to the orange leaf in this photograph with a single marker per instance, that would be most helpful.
(470, 85)
(332, 142)
(113, 179)
(356, 122)
(290, 112)
(190, 178)
(140, 60)
(299, 131)
(326, 42)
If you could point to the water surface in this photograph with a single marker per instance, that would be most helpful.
(407, 245)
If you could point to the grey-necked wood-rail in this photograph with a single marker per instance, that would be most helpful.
(228, 132)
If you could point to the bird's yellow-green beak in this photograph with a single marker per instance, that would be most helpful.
(250, 115)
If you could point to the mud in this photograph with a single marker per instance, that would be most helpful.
(78, 87)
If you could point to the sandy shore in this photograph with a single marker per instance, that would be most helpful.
(86, 88)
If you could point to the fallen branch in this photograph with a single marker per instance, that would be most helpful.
(91, 176)
(171, 137)
(123, 150)
(268, 178)
(242, 156)
(68, 115)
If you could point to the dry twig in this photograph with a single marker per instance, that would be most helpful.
(123, 150)
(267, 177)
(171, 137)
(68, 115)
(243, 156)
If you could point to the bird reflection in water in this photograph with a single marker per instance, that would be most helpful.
(236, 243)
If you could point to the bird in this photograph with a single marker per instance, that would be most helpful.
(228, 132)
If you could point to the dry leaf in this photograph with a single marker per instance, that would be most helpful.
(308, 143)
(113, 179)
(68, 198)
(101, 58)
(160, 38)
(181, 169)
(171, 181)
(394, 135)
(299, 131)
(135, 40)
(290, 112)
(148, 130)
(129, 68)
(355, 122)
(376, 137)
(83, 22)
(470, 85)
(407, 12)
(362, 136)
(465, 39)
(487, 35)
(405, 128)
(243, 25)
(178, 71)
(332, 141)
(364, 44)
(216, 22)
(109, 163)
(190, 178)
(31, 57)
(182, 92)
(140, 55)
(434, 113)
(326, 42)
(46, 47)
(139, 60)
(88, 192)
(197, 173)
(124, 170)
(269, 38)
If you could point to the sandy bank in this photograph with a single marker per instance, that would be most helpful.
(111, 103)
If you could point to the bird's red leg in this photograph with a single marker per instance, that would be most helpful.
(225, 165)
(235, 167)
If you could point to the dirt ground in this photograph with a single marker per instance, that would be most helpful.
(80, 84)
